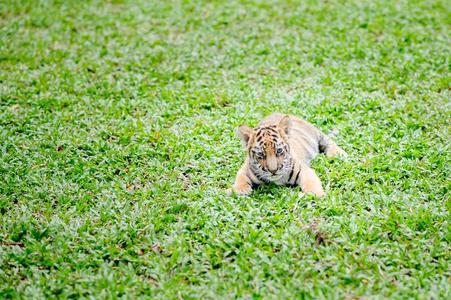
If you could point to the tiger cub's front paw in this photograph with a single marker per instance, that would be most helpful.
(241, 190)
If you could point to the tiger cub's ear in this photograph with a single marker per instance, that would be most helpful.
(285, 124)
(244, 133)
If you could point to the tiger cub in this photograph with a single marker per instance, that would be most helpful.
(279, 150)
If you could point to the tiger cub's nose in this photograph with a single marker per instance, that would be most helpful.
(272, 165)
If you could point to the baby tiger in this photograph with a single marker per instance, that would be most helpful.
(279, 150)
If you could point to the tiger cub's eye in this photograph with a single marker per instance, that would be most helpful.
(259, 154)
(279, 151)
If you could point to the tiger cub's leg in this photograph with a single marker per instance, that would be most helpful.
(328, 146)
(310, 182)
(243, 184)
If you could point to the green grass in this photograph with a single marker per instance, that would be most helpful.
(117, 146)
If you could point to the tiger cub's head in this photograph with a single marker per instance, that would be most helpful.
(268, 149)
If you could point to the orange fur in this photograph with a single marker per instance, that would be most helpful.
(310, 182)
(243, 184)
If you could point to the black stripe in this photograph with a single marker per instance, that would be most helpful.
(272, 130)
(255, 185)
(297, 175)
(291, 173)
(255, 174)
(249, 172)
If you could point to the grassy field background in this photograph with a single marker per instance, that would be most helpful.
(117, 146)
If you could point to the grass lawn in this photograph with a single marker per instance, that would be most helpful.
(117, 145)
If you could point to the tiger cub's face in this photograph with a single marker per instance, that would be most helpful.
(268, 150)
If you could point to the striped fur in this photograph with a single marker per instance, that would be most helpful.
(280, 150)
